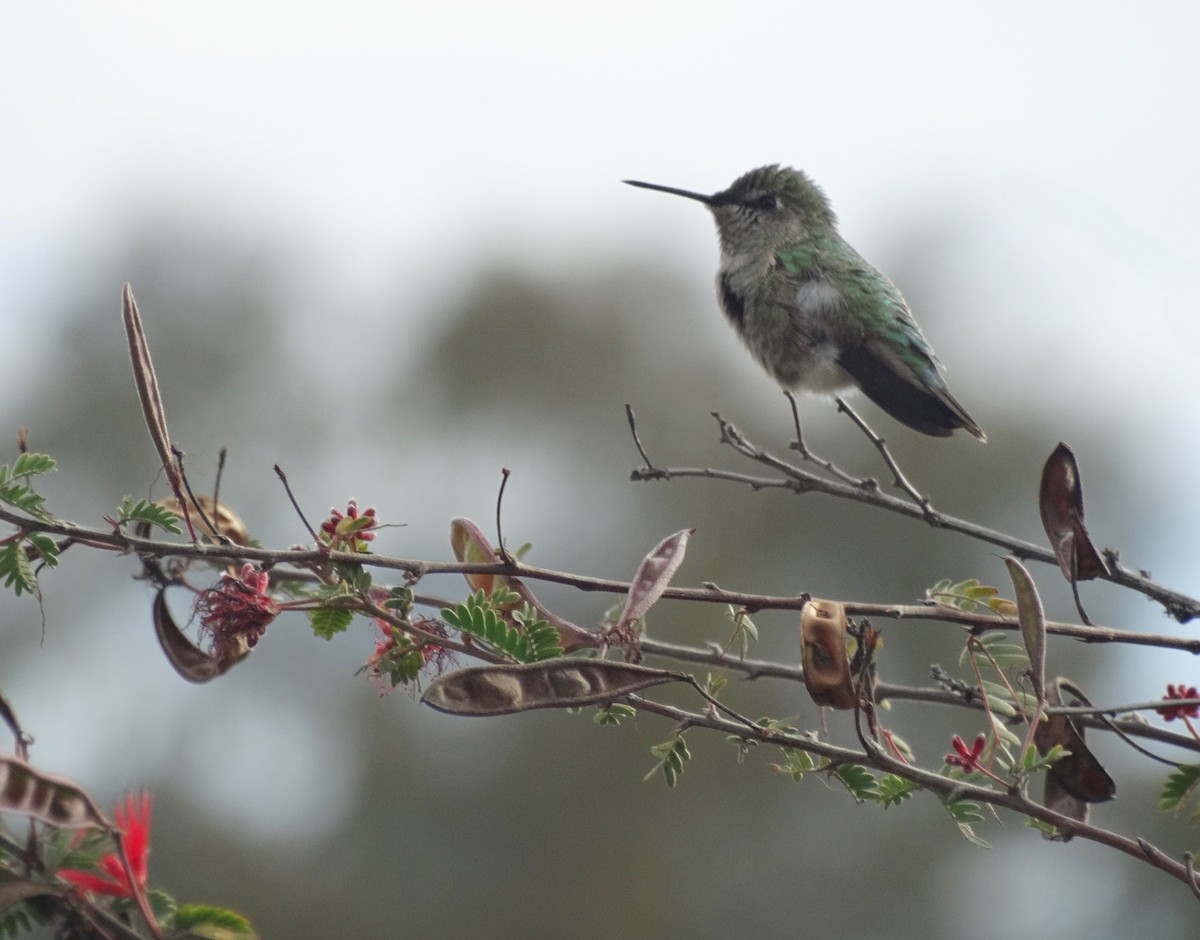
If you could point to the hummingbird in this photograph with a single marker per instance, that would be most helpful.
(811, 310)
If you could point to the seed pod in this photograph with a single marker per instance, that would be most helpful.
(43, 796)
(823, 627)
(555, 683)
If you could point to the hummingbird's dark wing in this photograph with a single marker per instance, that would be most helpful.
(891, 361)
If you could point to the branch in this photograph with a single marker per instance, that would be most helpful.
(415, 570)
(945, 787)
(797, 480)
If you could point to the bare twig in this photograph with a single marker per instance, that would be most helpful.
(295, 505)
(196, 504)
(505, 555)
(807, 455)
(901, 481)
(629, 416)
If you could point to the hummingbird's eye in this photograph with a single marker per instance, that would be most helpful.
(767, 203)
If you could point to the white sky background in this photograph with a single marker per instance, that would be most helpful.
(397, 142)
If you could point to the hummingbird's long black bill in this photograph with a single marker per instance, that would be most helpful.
(686, 193)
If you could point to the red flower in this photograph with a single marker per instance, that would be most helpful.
(1171, 712)
(349, 531)
(134, 824)
(399, 657)
(966, 757)
(235, 612)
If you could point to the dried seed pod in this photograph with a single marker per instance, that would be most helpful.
(652, 577)
(43, 796)
(555, 683)
(1078, 774)
(823, 636)
(185, 657)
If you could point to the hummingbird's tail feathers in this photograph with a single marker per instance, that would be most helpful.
(900, 392)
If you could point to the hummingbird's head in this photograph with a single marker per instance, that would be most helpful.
(769, 207)
(763, 209)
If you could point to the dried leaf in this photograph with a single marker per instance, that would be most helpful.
(471, 545)
(1060, 500)
(652, 577)
(1033, 624)
(1079, 774)
(823, 642)
(54, 800)
(555, 683)
(185, 657)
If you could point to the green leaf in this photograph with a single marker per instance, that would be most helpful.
(1032, 618)
(970, 596)
(28, 465)
(531, 640)
(355, 578)
(798, 764)
(964, 813)
(148, 512)
(16, 569)
(859, 781)
(326, 621)
(400, 599)
(614, 714)
(211, 922)
(745, 631)
(24, 498)
(504, 596)
(672, 756)
(895, 790)
(1178, 788)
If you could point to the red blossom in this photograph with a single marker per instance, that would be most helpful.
(134, 823)
(235, 612)
(349, 531)
(966, 757)
(399, 656)
(1171, 712)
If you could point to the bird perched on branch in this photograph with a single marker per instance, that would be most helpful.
(809, 307)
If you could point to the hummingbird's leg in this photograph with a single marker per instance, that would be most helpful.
(901, 481)
(798, 443)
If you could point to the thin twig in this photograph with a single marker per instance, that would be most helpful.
(629, 416)
(898, 476)
(505, 555)
(217, 482)
(187, 485)
(717, 703)
(295, 505)
(1193, 883)
(138, 890)
(806, 454)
